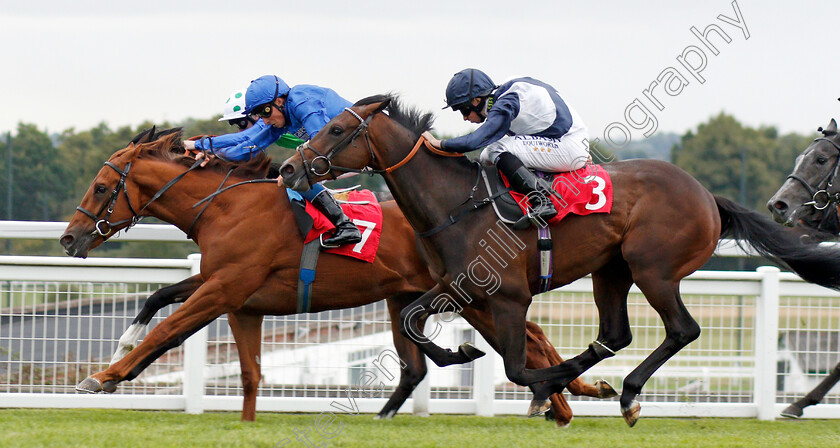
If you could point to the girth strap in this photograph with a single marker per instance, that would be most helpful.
(546, 269)
(308, 262)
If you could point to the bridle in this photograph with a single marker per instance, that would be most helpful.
(821, 198)
(362, 128)
(108, 207)
(309, 165)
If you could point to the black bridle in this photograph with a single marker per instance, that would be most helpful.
(821, 197)
(108, 206)
(361, 129)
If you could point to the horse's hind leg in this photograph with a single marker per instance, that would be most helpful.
(680, 330)
(538, 356)
(162, 297)
(815, 396)
(247, 332)
(412, 361)
(601, 389)
(433, 302)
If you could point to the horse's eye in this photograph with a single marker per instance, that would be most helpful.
(100, 189)
(821, 160)
(335, 130)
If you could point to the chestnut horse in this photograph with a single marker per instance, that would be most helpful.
(808, 199)
(250, 263)
(663, 226)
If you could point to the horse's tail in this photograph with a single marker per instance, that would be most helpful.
(814, 263)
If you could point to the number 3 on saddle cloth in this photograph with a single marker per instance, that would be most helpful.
(582, 192)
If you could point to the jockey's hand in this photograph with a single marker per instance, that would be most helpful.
(280, 182)
(431, 139)
(189, 145)
(207, 158)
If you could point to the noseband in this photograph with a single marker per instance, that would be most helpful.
(821, 198)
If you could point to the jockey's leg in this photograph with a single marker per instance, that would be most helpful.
(345, 231)
(527, 183)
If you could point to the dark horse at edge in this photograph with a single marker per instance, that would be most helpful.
(808, 199)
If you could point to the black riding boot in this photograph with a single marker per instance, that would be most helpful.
(524, 181)
(345, 231)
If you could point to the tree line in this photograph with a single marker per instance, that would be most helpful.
(50, 174)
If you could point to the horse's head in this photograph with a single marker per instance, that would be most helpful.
(342, 145)
(810, 195)
(111, 203)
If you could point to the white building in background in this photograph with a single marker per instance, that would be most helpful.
(343, 362)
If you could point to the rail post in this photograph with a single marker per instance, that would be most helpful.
(484, 391)
(766, 343)
(195, 358)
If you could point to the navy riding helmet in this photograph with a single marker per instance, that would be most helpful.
(466, 85)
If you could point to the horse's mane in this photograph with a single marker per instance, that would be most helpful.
(167, 145)
(411, 118)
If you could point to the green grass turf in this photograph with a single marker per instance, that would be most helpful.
(109, 428)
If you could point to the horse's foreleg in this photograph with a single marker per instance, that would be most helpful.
(206, 304)
(680, 330)
(433, 302)
(413, 363)
(815, 396)
(247, 332)
(162, 297)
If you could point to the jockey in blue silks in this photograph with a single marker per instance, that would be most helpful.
(526, 124)
(301, 110)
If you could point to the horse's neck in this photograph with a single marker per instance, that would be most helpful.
(175, 206)
(429, 187)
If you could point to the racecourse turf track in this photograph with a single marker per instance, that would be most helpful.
(32, 428)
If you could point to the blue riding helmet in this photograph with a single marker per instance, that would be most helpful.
(264, 89)
(466, 85)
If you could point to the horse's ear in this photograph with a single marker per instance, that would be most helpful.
(145, 136)
(831, 129)
(382, 105)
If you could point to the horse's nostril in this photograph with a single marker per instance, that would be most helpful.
(780, 206)
(287, 170)
(66, 240)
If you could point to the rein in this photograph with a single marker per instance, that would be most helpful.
(362, 129)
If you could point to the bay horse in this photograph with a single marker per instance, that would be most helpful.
(808, 199)
(663, 226)
(250, 263)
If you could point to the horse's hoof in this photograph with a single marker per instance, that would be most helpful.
(631, 414)
(385, 416)
(792, 412)
(89, 385)
(470, 351)
(604, 389)
(561, 425)
(109, 387)
(538, 407)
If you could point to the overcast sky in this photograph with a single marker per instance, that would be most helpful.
(75, 64)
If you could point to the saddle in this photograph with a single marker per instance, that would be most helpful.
(508, 210)
(582, 192)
